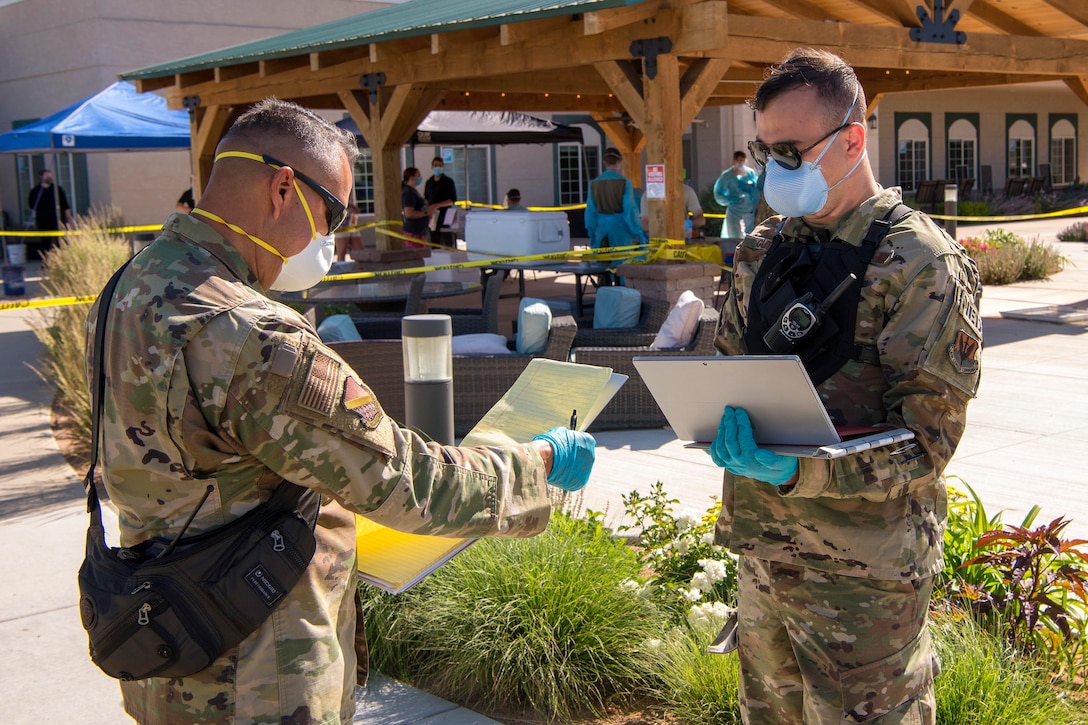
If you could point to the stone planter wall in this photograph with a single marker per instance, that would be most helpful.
(668, 281)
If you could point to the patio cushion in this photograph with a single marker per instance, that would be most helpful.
(679, 326)
(481, 343)
(338, 328)
(534, 321)
(616, 307)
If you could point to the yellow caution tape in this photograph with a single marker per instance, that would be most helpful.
(48, 302)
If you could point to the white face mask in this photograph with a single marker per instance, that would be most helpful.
(803, 191)
(306, 268)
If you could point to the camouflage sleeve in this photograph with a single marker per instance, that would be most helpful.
(930, 353)
(302, 412)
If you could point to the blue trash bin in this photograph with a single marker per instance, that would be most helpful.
(14, 281)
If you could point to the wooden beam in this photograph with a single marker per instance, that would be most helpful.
(514, 33)
(1079, 86)
(619, 75)
(206, 126)
(328, 58)
(225, 73)
(698, 82)
(896, 12)
(962, 5)
(530, 102)
(602, 21)
(357, 104)
(407, 107)
(803, 9)
(664, 145)
(999, 20)
(275, 66)
(628, 139)
(872, 101)
(1075, 9)
(146, 85)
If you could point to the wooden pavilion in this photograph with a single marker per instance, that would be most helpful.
(642, 68)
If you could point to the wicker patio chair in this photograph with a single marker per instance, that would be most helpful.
(633, 406)
(382, 325)
(651, 316)
(478, 380)
(483, 319)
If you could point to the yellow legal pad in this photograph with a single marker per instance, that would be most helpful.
(394, 560)
(543, 396)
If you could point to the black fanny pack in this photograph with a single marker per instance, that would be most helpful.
(156, 611)
(168, 608)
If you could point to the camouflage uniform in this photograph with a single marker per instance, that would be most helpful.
(865, 525)
(209, 381)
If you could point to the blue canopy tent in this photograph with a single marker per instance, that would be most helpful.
(115, 119)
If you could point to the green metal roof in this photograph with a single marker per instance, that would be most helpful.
(412, 18)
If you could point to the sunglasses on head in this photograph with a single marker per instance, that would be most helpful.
(786, 155)
(336, 212)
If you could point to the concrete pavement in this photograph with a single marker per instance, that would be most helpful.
(1024, 445)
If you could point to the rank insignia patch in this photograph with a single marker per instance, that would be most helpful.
(963, 352)
(361, 401)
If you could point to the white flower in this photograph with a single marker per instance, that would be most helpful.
(692, 595)
(707, 539)
(686, 520)
(714, 569)
(708, 618)
(683, 544)
(701, 582)
(630, 585)
(654, 645)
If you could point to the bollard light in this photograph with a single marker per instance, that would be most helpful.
(951, 204)
(427, 341)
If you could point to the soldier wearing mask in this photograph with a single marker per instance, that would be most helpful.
(838, 557)
(213, 384)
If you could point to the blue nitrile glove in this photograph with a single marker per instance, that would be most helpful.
(573, 453)
(736, 451)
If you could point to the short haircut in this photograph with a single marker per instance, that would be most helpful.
(513, 195)
(739, 155)
(437, 160)
(612, 156)
(832, 77)
(279, 124)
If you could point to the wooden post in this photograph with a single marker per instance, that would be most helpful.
(664, 145)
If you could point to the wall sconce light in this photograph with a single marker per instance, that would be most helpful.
(872, 122)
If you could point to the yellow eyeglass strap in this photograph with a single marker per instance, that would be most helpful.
(260, 159)
(235, 228)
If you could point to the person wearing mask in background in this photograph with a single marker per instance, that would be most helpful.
(225, 388)
(44, 201)
(512, 202)
(693, 212)
(440, 193)
(413, 206)
(611, 209)
(838, 557)
(737, 189)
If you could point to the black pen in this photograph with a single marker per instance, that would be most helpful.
(574, 420)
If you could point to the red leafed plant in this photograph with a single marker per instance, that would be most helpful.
(1043, 597)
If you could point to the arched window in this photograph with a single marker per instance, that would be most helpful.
(1063, 153)
(1021, 149)
(962, 149)
(912, 162)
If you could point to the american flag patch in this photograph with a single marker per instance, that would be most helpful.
(361, 401)
(319, 391)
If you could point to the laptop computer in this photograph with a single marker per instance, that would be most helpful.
(787, 414)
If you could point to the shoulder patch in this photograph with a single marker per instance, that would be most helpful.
(963, 352)
(319, 390)
(360, 401)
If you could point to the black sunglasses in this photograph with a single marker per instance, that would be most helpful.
(336, 212)
(786, 155)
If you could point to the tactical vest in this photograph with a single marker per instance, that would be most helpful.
(792, 269)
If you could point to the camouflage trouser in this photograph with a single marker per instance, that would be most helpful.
(819, 648)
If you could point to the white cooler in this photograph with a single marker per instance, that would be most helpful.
(469, 274)
(492, 234)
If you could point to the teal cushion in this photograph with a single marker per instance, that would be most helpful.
(338, 328)
(534, 325)
(616, 307)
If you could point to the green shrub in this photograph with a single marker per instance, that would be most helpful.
(1077, 232)
(696, 687)
(984, 680)
(542, 624)
(969, 207)
(680, 562)
(708, 202)
(80, 265)
(1003, 257)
